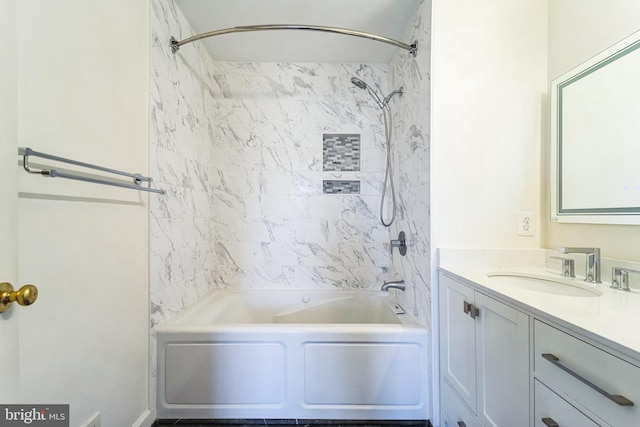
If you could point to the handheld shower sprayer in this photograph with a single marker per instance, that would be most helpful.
(359, 83)
(382, 103)
(388, 175)
(362, 85)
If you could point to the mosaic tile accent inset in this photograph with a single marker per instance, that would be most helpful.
(340, 152)
(340, 187)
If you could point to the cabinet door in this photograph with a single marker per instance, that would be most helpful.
(458, 340)
(502, 363)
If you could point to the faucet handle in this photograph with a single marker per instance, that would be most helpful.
(568, 266)
(620, 278)
(401, 244)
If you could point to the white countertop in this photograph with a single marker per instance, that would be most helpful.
(612, 318)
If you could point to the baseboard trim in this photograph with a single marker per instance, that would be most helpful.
(147, 419)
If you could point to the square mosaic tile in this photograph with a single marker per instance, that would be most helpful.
(340, 152)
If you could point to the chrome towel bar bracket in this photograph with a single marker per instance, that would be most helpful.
(137, 178)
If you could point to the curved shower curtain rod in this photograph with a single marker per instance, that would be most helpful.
(412, 48)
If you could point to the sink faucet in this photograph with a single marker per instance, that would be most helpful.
(397, 284)
(592, 272)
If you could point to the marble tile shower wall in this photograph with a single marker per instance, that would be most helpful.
(239, 148)
(411, 152)
(181, 155)
(274, 227)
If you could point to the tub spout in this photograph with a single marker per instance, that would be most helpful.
(396, 284)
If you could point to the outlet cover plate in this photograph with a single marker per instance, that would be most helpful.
(526, 224)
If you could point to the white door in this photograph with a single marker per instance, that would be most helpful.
(8, 199)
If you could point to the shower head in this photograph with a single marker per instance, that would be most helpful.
(362, 85)
(359, 83)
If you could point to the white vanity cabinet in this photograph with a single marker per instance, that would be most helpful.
(604, 387)
(484, 357)
(502, 366)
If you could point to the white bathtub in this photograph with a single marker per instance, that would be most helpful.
(293, 355)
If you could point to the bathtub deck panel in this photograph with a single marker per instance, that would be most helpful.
(364, 374)
(225, 373)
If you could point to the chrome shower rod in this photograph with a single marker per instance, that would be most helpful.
(412, 48)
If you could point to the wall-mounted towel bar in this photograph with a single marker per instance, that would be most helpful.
(137, 178)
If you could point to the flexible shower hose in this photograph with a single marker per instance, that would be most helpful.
(388, 174)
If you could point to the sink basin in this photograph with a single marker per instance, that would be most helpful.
(545, 284)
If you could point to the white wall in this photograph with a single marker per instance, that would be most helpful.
(82, 94)
(489, 81)
(578, 30)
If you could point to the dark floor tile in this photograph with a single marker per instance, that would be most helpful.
(291, 423)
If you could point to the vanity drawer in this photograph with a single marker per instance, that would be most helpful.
(551, 409)
(567, 363)
(454, 411)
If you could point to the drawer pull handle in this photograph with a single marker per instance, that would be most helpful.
(461, 424)
(619, 400)
(549, 422)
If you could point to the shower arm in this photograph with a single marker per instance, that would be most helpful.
(412, 48)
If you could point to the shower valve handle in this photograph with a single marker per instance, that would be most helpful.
(401, 244)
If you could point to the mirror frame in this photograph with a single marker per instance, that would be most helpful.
(591, 215)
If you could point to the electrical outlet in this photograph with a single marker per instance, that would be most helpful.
(526, 224)
(94, 421)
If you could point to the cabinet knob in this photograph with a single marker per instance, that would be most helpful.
(462, 424)
(549, 422)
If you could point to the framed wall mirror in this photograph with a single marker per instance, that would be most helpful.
(595, 139)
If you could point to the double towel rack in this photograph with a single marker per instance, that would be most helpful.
(137, 178)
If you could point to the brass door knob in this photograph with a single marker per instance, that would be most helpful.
(26, 295)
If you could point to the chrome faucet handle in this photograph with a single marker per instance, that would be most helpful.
(620, 278)
(592, 270)
(568, 266)
(400, 243)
